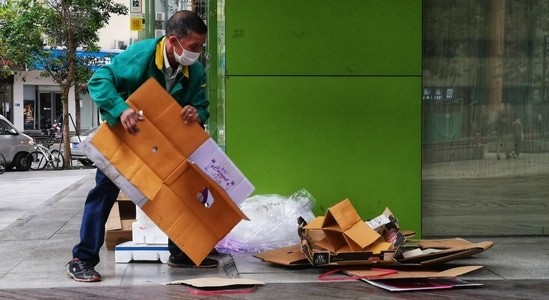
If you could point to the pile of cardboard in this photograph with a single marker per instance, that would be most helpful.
(341, 237)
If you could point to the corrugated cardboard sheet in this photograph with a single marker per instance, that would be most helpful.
(153, 169)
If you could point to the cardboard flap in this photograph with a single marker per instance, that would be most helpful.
(345, 230)
(114, 222)
(214, 163)
(128, 163)
(287, 256)
(162, 110)
(360, 236)
(188, 222)
(315, 224)
(341, 216)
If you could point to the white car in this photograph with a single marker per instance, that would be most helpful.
(76, 151)
(14, 146)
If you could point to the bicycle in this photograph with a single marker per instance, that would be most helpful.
(43, 157)
(3, 164)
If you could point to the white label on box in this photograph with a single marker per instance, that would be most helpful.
(378, 221)
(217, 165)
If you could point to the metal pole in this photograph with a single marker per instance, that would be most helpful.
(148, 29)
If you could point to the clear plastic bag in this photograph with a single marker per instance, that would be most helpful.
(272, 224)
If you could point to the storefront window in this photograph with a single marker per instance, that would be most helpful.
(485, 117)
(42, 107)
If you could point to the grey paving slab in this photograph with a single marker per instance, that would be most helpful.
(36, 244)
(24, 191)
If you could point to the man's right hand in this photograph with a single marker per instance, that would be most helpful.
(129, 119)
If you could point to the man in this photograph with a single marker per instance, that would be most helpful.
(172, 61)
(518, 136)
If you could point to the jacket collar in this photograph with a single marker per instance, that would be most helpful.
(159, 57)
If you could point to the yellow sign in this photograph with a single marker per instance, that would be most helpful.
(136, 23)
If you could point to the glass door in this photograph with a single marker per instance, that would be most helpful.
(51, 109)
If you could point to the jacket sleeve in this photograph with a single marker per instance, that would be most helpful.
(103, 91)
(200, 100)
(112, 84)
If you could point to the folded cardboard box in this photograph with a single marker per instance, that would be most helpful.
(193, 201)
(119, 224)
(342, 238)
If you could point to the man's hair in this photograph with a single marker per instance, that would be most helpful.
(183, 22)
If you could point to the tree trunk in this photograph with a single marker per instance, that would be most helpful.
(77, 108)
(66, 132)
(494, 73)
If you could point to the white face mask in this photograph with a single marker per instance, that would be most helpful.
(186, 58)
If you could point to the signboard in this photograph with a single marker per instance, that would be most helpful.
(136, 6)
(136, 21)
(92, 60)
(136, 15)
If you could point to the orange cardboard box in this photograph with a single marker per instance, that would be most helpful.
(195, 204)
(341, 236)
(343, 229)
(119, 224)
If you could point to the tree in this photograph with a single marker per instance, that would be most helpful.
(66, 25)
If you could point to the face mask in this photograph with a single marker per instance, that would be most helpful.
(186, 58)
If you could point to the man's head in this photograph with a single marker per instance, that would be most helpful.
(186, 33)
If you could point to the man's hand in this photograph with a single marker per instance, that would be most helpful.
(189, 114)
(129, 119)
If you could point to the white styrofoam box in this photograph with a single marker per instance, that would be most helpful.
(130, 251)
(141, 216)
(148, 233)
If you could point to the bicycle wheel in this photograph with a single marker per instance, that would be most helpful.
(57, 159)
(2, 164)
(37, 160)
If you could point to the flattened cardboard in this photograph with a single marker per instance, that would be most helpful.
(452, 249)
(452, 272)
(153, 169)
(290, 256)
(216, 282)
(404, 280)
(316, 245)
(212, 286)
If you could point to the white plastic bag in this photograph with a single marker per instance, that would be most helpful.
(272, 224)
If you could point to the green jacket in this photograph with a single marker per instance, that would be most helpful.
(113, 83)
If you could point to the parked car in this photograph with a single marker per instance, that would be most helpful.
(15, 146)
(77, 152)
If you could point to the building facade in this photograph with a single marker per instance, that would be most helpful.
(32, 103)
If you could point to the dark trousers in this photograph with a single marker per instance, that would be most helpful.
(99, 203)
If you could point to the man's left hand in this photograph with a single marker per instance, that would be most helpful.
(189, 114)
